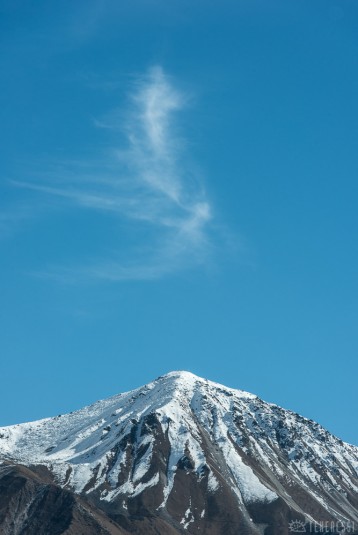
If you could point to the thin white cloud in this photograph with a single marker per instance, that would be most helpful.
(147, 182)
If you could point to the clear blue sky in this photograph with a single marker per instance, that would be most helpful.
(179, 191)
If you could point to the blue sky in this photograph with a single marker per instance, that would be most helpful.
(179, 191)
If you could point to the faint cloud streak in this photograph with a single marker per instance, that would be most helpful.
(149, 182)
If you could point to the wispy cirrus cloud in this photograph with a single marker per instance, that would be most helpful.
(148, 182)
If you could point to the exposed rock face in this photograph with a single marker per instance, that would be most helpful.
(31, 504)
(179, 455)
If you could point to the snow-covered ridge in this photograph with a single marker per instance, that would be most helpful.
(109, 447)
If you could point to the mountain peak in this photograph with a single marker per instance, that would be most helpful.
(182, 432)
(187, 383)
(182, 375)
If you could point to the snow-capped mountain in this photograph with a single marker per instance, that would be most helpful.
(180, 455)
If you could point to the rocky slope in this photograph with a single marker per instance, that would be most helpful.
(179, 455)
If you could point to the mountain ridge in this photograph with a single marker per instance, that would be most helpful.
(181, 447)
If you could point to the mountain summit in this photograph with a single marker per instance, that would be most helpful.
(179, 455)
